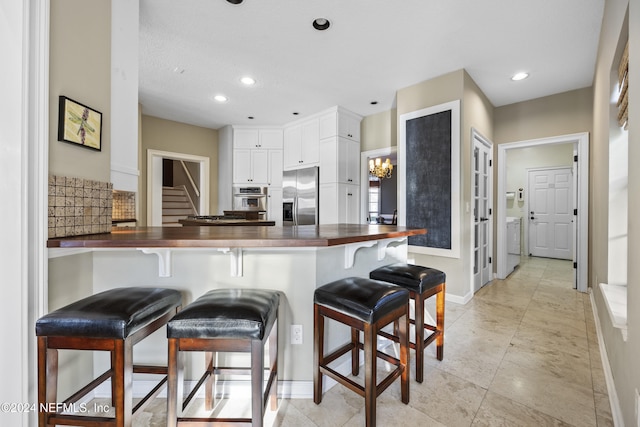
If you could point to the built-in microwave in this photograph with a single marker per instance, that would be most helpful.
(250, 198)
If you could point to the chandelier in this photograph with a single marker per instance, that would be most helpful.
(380, 169)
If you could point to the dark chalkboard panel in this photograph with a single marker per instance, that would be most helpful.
(428, 179)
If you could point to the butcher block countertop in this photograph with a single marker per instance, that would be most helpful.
(235, 237)
(225, 221)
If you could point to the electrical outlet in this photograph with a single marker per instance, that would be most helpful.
(296, 334)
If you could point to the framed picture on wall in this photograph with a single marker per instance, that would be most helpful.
(429, 183)
(79, 124)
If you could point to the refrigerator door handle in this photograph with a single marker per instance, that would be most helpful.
(295, 210)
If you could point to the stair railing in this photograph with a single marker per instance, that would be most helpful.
(191, 181)
(193, 207)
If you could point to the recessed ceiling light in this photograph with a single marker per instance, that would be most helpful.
(321, 24)
(519, 76)
(235, 1)
(249, 81)
(221, 98)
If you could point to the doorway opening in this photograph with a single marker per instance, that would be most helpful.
(197, 167)
(379, 196)
(580, 146)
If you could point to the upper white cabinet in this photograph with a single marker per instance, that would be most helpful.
(251, 166)
(339, 122)
(270, 139)
(339, 160)
(257, 156)
(302, 144)
(246, 138)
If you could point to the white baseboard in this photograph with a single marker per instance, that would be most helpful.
(459, 299)
(616, 412)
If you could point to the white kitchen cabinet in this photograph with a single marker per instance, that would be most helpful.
(257, 138)
(302, 144)
(274, 205)
(257, 156)
(246, 138)
(339, 122)
(275, 168)
(339, 160)
(339, 203)
(270, 139)
(250, 166)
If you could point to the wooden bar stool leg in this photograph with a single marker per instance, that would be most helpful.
(355, 352)
(47, 378)
(172, 383)
(318, 357)
(209, 394)
(403, 337)
(257, 383)
(440, 323)
(122, 356)
(419, 344)
(273, 361)
(370, 370)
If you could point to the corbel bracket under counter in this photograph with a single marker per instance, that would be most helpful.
(165, 259)
(382, 247)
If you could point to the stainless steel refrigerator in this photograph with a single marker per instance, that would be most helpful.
(300, 197)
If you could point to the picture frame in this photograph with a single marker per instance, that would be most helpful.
(79, 124)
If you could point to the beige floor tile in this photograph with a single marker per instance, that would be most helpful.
(499, 411)
(446, 398)
(571, 403)
(533, 337)
(563, 366)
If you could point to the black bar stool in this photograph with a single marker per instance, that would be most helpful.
(364, 305)
(225, 320)
(114, 321)
(422, 283)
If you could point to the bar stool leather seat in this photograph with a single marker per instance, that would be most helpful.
(364, 305)
(225, 320)
(422, 283)
(113, 320)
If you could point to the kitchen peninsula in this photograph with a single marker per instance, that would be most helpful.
(293, 260)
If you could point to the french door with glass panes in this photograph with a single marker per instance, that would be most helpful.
(482, 202)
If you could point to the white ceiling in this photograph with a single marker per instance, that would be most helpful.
(372, 49)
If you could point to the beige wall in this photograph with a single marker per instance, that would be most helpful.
(80, 68)
(476, 112)
(623, 355)
(166, 135)
(560, 114)
(379, 131)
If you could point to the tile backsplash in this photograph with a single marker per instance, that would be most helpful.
(124, 205)
(79, 206)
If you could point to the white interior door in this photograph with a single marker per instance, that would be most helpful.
(482, 202)
(551, 213)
